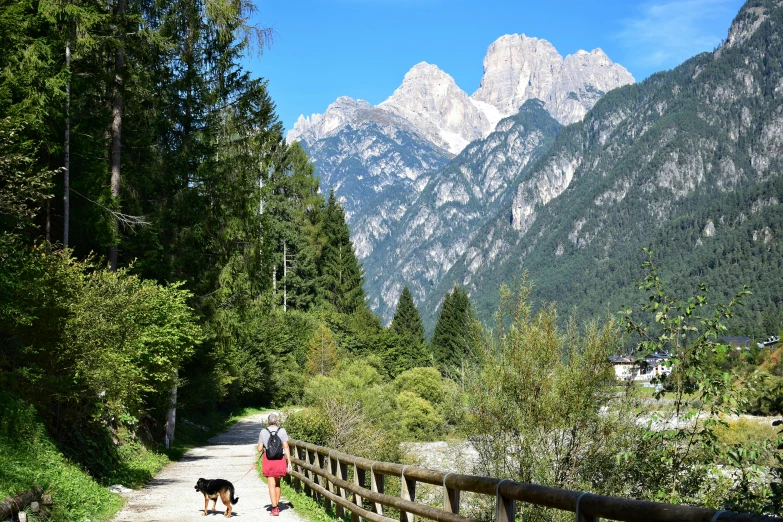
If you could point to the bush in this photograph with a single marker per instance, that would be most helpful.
(424, 382)
(309, 425)
(535, 403)
(352, 380)
(418, 419)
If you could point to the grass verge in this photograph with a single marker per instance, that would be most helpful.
(33, 460)
(308, 508)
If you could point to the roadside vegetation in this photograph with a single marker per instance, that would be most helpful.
(538, 400)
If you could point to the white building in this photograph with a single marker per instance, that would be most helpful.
(628, 368)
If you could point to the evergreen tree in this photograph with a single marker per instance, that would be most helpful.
(406, 321)
(341, 275)
(292, 210)
(452, 341)
(407, 325)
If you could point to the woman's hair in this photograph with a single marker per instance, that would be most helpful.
(272, 419)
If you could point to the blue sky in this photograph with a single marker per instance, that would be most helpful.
(362, 48)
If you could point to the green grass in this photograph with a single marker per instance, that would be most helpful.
(137, 465)
(308, 508)
(33, 460)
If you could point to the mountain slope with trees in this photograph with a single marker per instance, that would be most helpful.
(686, 162)
(452, 207)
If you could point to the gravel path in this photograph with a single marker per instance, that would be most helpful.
(170, 496)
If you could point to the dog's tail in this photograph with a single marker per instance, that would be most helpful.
(233, 499)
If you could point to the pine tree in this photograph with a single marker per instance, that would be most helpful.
(406, 321)
(341, 275)
(452, 340)
(407, 325)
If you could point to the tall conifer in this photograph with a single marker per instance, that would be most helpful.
(407, 324)
(341, 275)
(452, 340)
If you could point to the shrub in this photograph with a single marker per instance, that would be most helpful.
(310, 425)
(424, 382)
(418, 419)
(535, 403)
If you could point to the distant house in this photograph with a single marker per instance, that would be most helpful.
(740, 343)
(624, 367)
(628, 368)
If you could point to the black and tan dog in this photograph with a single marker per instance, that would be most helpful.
(212, 489)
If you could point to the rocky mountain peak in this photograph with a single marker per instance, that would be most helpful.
(317, 126)
(442, 112)
(425, 71)
(518, 68)
(583, 78)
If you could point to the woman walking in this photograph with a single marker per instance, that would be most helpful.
(273, 441)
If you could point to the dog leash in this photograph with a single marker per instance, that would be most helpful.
(248, 471)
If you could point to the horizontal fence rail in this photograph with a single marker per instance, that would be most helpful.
(323, 473)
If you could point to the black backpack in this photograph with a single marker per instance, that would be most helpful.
(274, 448)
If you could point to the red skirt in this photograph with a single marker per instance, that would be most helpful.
(274, 468)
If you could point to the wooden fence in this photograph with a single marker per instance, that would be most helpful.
(323, 473)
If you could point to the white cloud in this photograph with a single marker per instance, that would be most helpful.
(665, 34)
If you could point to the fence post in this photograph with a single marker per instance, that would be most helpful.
(450, 497)
(311, 459)
(343, 469)
(358, 479)
(505, 508)
(376, 485)
(296, 481)
(580, 516)
(337, 471)
(407, 492)
(325, 463)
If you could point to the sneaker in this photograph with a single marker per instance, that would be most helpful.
(275, 511)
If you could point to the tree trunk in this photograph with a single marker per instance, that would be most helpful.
(171, 416)
(116, 127)
(67, 179)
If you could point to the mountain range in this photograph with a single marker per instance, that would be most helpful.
(565, 169)
(384, 162)
(687, 162)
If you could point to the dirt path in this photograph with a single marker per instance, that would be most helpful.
(171, 497)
